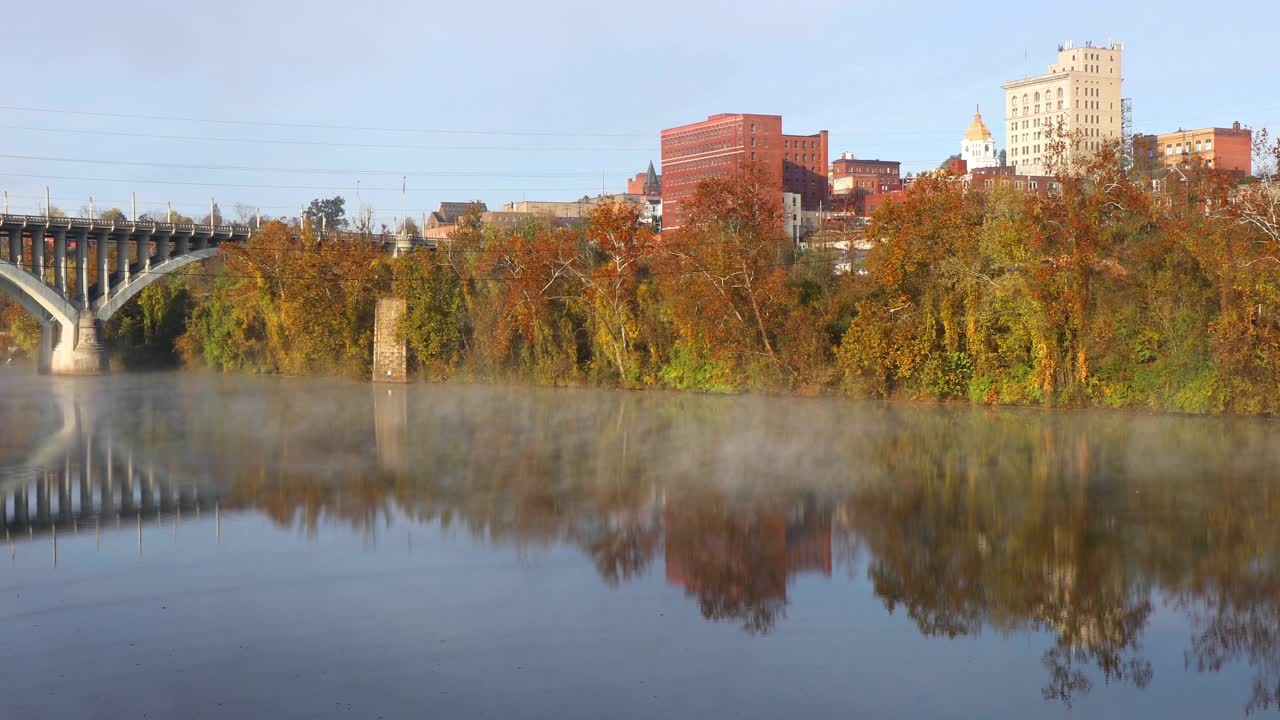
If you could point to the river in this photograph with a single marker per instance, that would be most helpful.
(203, 546)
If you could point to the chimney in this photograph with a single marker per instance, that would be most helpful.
(1235, 125)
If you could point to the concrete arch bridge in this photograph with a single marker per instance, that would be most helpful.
(73, 274)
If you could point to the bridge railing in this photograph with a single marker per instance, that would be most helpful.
(75, 222)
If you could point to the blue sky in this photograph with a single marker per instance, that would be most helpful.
(430, 90)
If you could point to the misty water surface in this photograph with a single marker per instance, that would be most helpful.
(199, 547)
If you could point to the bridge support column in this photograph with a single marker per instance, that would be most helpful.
(60, 260)
(37, 253)
(15, 246)
(122, 258)
(142, 241)
(162, 245)
(104, 264)
(80, 352)
(82, 268)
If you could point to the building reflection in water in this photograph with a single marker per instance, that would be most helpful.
(738, 565)
(1058, 526)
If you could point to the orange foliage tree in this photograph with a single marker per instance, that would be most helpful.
(723, 272)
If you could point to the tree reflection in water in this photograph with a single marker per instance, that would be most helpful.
(1073, 525)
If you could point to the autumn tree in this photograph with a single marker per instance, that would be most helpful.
(435, 324)
(723, 272)
(607, 275)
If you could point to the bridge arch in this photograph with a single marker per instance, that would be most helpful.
(43, 302)
(108, 305)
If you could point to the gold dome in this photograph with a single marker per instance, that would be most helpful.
(978, 130)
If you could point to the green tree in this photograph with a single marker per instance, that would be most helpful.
(331, 210)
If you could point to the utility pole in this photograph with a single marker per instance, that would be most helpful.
(257, 216)
(48, 207)
(133, 200)
(6, 202)
(212, 220)
(91, 216)
(168, 213)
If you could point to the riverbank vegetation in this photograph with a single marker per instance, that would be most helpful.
(1104, 290)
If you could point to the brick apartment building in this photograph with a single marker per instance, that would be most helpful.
(1008, 176)
(1227, 149)
(717, 146)
(850, 174)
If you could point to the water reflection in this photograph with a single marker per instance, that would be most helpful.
(1070, 527)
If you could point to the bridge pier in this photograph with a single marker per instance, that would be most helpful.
(80, 352)
(44, 354)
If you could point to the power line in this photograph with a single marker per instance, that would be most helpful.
(319, 171)
(324, 143)
(320, 126)
(422, 131)
(325, 188)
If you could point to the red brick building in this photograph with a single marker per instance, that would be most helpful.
(1007, 176)
(717, 146)
(1227, 149)
(850, 175)
(870, 203)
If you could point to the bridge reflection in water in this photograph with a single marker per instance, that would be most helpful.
(82, 478)
(1070, 529)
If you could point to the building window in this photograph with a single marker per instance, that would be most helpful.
(1208, 144)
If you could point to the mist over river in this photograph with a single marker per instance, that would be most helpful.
(204, 546)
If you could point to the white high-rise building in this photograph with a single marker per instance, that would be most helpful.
(1081, 94)
(978, 149)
